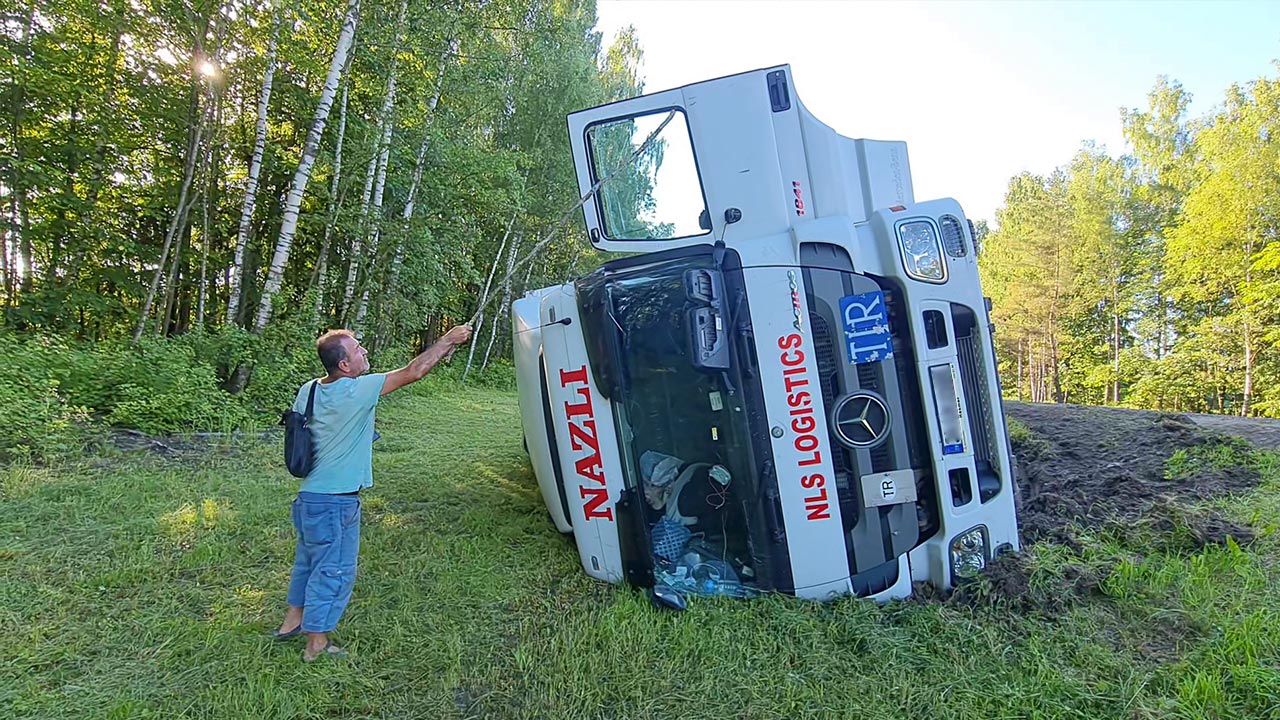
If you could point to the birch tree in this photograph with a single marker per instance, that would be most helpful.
(289, 222)
(251, 182)
(335, 206)
(384, 159)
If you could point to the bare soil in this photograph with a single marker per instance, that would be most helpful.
(1092, 467)
(1087, 469)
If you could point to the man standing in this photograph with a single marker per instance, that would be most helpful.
(326, 513)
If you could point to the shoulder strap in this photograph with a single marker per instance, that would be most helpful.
(311, 398)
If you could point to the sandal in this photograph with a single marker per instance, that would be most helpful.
(329, 650)
(282, 636)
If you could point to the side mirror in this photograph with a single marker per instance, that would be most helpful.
(704, 219)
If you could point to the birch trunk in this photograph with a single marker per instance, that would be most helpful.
(335, 206)
(479, 318)
(419, 164)
(506, 304)
(357, 242)
(1248, 371)
(209, 182)
(289, 224)
(10, 260)
(210, 186)
(1021, 353)
(1115, 300)
(179, 213)
(251, 184)
(384, 159)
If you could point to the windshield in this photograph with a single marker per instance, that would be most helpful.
(682, 421)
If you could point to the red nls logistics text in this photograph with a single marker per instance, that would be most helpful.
(817, 505)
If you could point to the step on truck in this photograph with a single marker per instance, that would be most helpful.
(785, 381)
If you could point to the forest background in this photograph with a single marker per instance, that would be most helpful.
(191, 190)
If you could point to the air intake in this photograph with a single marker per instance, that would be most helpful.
(952, 236)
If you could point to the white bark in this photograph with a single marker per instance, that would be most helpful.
(380, 183)
(357, 242)
(405, 216)
(384, 159)
(255, 168)
(478, 321)
(210, 183)
(506, 304)
(335, 205)
(289, 224)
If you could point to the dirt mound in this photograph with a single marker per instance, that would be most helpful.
(1096, 467)
(1010, 580)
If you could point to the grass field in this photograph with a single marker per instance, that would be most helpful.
(136, 585)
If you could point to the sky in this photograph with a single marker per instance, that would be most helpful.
(980, 91)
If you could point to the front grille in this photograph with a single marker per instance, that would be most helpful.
(874, 535)
(824, 350)
(973, 379)
(867, 379)
(829, 357)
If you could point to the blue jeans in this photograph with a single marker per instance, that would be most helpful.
(324, 563)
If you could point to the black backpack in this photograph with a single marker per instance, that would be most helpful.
(298, 455)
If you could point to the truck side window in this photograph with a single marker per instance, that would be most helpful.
(656, 195)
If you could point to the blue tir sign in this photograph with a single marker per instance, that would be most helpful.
(866, 328)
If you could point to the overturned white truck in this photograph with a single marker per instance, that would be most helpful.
(787, 383)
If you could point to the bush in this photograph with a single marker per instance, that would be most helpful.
(59, 388)
(283, 358)
(500, 375)
(158, 385)
(187, 400)
(39, 423)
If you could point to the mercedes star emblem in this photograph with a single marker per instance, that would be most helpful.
(861, 420)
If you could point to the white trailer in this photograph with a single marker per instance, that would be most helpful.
(788, 382)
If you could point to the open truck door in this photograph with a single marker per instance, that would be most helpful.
(725, 152)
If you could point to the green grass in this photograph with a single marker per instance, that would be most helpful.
(135, 586)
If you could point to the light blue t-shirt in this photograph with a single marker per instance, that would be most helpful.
(341, 433)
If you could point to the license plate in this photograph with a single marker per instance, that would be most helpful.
(889, 488)
(866, 328)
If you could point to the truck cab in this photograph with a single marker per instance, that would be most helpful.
(786, 381)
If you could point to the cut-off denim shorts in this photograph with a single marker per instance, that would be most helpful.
(324, 563)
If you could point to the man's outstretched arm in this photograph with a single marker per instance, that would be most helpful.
(428, 359)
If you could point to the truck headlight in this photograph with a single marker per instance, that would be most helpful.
(968, 553)
(922, 251)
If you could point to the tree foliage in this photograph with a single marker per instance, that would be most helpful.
(1153, 279)
(130, 129)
